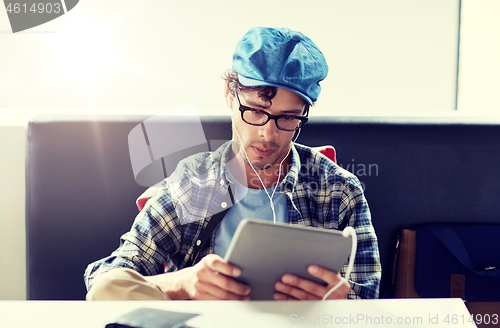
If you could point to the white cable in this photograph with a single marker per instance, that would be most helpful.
(347, 231)
(258, 176)
(298, 134)
(277, 182)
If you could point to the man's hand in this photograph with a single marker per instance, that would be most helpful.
(295, 288)
(209, 279)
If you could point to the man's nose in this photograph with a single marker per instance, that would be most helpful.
(269, 131)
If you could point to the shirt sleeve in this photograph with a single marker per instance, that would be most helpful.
(366, 273)
(154, 238)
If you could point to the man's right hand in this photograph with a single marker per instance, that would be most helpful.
(209, 279)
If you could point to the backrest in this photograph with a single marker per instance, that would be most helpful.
(81, 190)
(80, 196)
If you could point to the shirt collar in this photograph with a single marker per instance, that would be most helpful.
(290, 181)
(226, 154)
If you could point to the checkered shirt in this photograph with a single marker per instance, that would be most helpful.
(165, 236)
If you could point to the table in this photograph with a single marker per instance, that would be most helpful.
(260, 314)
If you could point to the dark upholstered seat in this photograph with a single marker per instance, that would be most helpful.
(81, 190)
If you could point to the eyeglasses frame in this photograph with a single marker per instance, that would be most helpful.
(303, 119)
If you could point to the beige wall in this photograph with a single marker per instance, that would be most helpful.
(130, 56)
(479, 82)
(12, 224)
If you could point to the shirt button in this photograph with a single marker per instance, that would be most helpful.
(223, 205)
(198, 242)
(222, 182)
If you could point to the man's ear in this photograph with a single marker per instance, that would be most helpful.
(227, 95)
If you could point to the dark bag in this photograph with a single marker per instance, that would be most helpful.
(459, 261)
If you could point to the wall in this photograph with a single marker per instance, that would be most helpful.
(148, 56)
(479, 68)
(127, 56)
(12, 226)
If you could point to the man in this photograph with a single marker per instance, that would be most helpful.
(176, 246)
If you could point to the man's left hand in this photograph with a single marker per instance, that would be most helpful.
(294, 288)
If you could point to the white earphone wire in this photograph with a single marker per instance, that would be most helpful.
(277, 182)
(347, 231)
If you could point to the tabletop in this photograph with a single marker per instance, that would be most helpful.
(351, 313)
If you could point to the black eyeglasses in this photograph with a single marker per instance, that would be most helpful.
(259, 117)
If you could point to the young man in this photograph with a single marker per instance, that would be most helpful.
(262, 173)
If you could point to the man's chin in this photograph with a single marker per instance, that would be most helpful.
(258, 165)
(261, 162)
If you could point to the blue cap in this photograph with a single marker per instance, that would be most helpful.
(280, 57)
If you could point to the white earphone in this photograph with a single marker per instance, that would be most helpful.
(279, 174)
(348, 231)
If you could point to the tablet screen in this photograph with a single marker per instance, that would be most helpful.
(265, 251)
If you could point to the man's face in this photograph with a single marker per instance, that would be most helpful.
(265, 145)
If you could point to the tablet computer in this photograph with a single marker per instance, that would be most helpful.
(265, 251)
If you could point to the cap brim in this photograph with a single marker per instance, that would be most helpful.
(247, 82)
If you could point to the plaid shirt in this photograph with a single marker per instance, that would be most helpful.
(173, 230)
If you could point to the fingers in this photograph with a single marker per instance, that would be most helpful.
(213, 280)
(221, 272)
(332, 279)
(292, 287)
(221, 286)
(295, 288)
(216, 263)
(283, 297)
